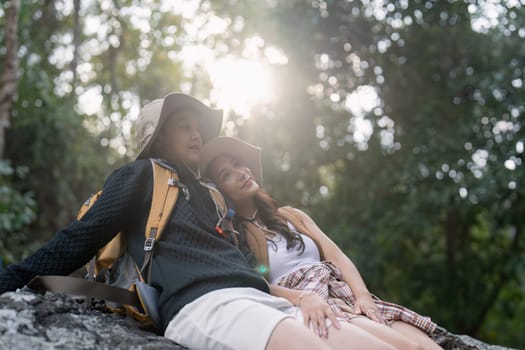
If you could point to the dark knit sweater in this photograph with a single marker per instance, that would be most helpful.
(190, 259)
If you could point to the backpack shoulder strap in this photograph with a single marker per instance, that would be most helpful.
(219, 201)
(88, 204)
(290, 214)
(165, 192)
(107, 254)
(294, 217)
(256, 241)
(217, 198)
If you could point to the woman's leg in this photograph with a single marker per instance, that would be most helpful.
(387, 334)
(350, 337)
(303, 338)
(416, 335)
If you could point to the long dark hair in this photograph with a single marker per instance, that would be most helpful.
(269, 215)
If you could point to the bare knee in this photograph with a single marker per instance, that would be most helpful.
(420, 339)
(392, 336)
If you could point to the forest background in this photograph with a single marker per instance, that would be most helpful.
(396, 124)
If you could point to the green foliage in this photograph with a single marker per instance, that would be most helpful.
(429, 203)
(504, 322)
(17, 210)
(63, 161)
(69, 152)
(430, 206)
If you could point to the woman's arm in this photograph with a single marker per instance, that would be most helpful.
(364, 303)
(74, 245)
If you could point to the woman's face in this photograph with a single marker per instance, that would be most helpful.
(233, 179)
(181, 139)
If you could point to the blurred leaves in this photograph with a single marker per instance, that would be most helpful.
(17, 209)
(397, 124)
(429, 204)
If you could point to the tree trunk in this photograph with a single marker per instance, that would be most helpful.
(76, 42)
(9, 79)
(451, 240)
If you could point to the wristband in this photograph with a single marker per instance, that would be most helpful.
(301, 298)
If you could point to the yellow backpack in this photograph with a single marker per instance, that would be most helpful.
(126, 285)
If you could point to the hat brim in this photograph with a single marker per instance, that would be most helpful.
(245, 153)
(210, 120)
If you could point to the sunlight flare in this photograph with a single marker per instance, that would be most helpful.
(239, 85)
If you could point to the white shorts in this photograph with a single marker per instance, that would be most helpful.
(231, 318)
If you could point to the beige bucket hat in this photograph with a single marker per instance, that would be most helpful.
(245, 153)
(153, 115)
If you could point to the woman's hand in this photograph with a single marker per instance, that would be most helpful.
(365, 305)
(315, 310)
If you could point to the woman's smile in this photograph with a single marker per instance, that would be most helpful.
(248, 183)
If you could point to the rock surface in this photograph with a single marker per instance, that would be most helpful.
(54, 321)
(451, 341)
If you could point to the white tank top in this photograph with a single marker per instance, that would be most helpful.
(283, 261)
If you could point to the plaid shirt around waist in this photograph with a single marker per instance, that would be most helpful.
(326, 280)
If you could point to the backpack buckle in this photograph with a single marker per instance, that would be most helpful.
(88, 201)
(185, 191)
(149, 243)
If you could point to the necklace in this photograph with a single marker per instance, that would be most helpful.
(268, 233)
(252, 219)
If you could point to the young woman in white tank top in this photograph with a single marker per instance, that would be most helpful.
(234, 166)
